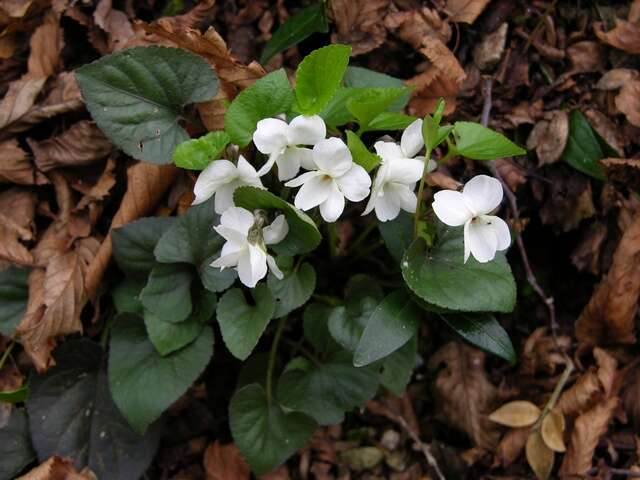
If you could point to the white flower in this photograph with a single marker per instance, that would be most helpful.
(334, 177)
(279, 140)
(483, 234)
(221, 177)
(246, 241)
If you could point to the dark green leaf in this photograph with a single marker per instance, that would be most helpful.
(197, 153)
(242, 324)
(316, 328)
(397, 234)
(126, 296)
(14, 293)
(268, 97)
(15, 396)
(318, 77)
(398, 367)
(294, 290)
(15, 445)
(133, 243)
(297, 28)
(583, 151)
(265, 435)
(346, 325)
(483, 331)
(481, 143)
(144, 383)
(72, 414)
(360, 153)
(167, 294)
(136, 97)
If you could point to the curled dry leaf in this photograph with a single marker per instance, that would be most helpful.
(610, 314)
(625, 35)
(465, 10)
(552, 430)
(586, 256)
(222, 462)
(608, 130)
(543, 353)
(56, 468)
(518, 413)
(463, 393)
(413, 25)
(82, 144)
(628, 102)
(511, 446)
(489, 51)
(17, 211)
(15, 166)
(630, 398)
(359, 23)
(442, 180)
(19, 98)
(588, 429)
(569, 201)
(511, 172)
(623, 170)
(549, 137)
(586, 56)
(115, 23)
(616, 78)
(539, 456)
(46, 44)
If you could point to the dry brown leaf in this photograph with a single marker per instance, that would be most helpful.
(552, 430)
(512, 445)
(146, 184)
(17, 211)
(586, 56)
(569, 200)
(623, 170)
(46, 44)
(624, 35)
(359, 23)
(489, 51)
(222, 462)
(525, 113)
(413, 25)
(200, 13)
(628, 102)
(511, 172)
(465, 10)
(463, 393)
(616, 78)
(630, 398)
(115, 23)
(516, 414)
(15, 166)
(608, 130)
(549, 137)
(16, 8)
(212, 112)
(442, 180)
(539, 456)
(588, 429)
(586, 256)
(610, 314)
(100, 189)
(56, 468)
(33, 315)
(82, 144)
(19, 98)
(543, 353)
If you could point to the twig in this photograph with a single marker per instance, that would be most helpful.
(531, 278)
(555, 394)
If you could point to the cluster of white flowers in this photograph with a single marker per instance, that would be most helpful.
(332, 176)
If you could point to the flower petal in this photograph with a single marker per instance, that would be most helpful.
(313, 192)
(405, 170)
(224, 197)
(238, 219)
(306, 130)
(217, 173)
(482, 194)
(355, 183)
(333, 206)
(378, 187)
(227, 261)
(252, 265)
(481, 238)
(332, 155)
(388, 150)
(271, 135)
(404, 196)
(302, 179)
(288, 164)
(268, 165)
(273, 266)
(231, 235)
(411, 141)
(387, 207)
(501, 229)
(276, 232)
(450, 208)
(306, 158)
(247, 172)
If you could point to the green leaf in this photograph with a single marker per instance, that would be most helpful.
(303, 236)
(136, 97)
(72, 414)
(397, 234)
(440, 276)
(316, 328)
(392, 324)
(326, 391)
(360, 153)
(481, 143)
(483, 331)
(398, 367)
(267, 97)
(266, 435)
(294, 290)
(15, 445)
(242, 324)
(347, 325)
(371, 102)
(583, 151)
(14, 293)
(197, 153)
(433, 133)
(318, 77)
(133, 243)
(390, 121)
(168, 292)
(297, 28)
(193, 240)
(15, 396)
(363, 77)
(126, 296)
(144, 383)
(335, 113)
(168, 336)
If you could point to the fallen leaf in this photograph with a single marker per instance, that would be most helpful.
(46, 44)
(465, 10)
(82, 144)
(15, 166)
(412, 26)
(543, 352)
(19, 98)
(511, 172)
(616, 78)
(16, 8)
(569, 200)
(525, 113)
(586, 256)
(624, 35)
(200, 13)
(588, 429)
(549, 137)
(115, 23)
(463, 393)
(630, 397)
(586, 56)
(442, 180)
(488, 52)
(56, 468)
(222, 462)
(101, 188)
(359, 23)
(608, 130)
(519, 413)
(628, 102)
(552, 430)
(623, 170)
(609, 317)
(511, 446)
(539, 456)
(17, 211)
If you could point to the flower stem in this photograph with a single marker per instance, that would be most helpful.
(272, 358)
(416, 217)
(6, 353)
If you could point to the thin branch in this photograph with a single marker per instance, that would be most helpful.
(531, 278)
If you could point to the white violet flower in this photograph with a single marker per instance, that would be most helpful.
(279, 140)
(483, 234)
(246, 240)
(221, 178)
(334, 177)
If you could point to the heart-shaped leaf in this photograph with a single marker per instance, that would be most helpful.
(14, 293)
(15, 446)
(398, 367)
(294, 290)
(167, 293)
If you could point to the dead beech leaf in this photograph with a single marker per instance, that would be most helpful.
(17, 211)
(539, 456)
(610, 314)
(15, 166)
(588, 429)
(19, 98)
(624, 35)
(465, 10)
(623, 170)
(82, 144)
(628, 102)
(56, 468)
(512, 445)
(569, 200)
(511, 172)
(99, 190)
(115, 23)
(222, 462)
(630, 398)
(442, 180)
(412, 26)
(489, 51)
(359, 23)
(608, 130)
(552, 430)
(46, 44)
(463, 393)
(586, 56)
(586, 256)
(549, 137)
(543, 353)
(518, 413)
(616, 78)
